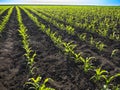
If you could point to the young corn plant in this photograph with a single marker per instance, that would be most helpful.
(70, 30)
(104, 32)
(35, 84)
(114, 36)
(69, 47)
(61, 26)
(98, 74)
(100, 45)
(108, 81)
(87, 63)
(92, 42)
(56, 40)
(77, 57)
(43, 27)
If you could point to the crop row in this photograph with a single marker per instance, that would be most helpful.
(2, 10)
(5, 19)
(30, 56)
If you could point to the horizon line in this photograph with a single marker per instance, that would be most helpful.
(59, 4)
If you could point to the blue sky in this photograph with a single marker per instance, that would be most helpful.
(77, 2)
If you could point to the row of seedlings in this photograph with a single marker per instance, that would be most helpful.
(33, 83)
(5, 19)
(3, 10)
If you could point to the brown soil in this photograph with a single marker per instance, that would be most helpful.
(50, 60)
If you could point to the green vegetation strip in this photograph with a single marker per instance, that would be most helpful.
(33, 82)
(25, 41)
(5, 19)
(2, 11)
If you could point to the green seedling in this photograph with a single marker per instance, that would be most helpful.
(98, 74)
(87, 63)
(77, 57)
(61, 26)
(48, 31)
(104, 32)
(100, 45)
(31, 60)
(35, 84)
(108, 80)
(115, 36)
(70, 30)
(69, 47)
(59, 40)
(43, 27)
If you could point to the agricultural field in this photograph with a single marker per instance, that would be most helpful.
(59, 48)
